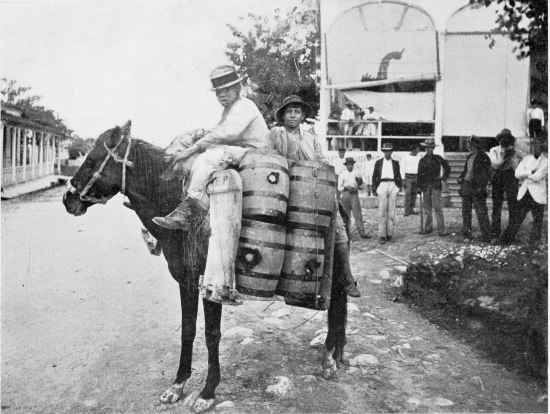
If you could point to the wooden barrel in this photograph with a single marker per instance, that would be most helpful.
(265, 186)
(311, 195)
(259, 258)
(302, 271)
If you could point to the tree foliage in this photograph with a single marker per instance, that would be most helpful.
(525, 20)
(80, 147)
(20, 97)
(280, 56)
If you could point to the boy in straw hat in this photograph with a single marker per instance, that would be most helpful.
(240, 128)
(429, 182)
(297, 144)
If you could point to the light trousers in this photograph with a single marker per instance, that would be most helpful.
(387, 198)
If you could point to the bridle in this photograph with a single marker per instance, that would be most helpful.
(111, 153)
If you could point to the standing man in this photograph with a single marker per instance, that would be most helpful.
(339, 166)
(532, 172)
(372, 122)
(473, 180)
(297, 144)
(504, 160)
(347, 118)
(241, 127)
(409, 172)
(429, 182)
(366, 173)
(387, 183)
(535, 119)
(348, 185)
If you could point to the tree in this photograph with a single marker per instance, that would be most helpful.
(526, 21)
(80, 147)
(280, 55)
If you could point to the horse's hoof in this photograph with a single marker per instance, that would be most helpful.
(191, 399)
(329, 365)
(202, 405)
(173, 394)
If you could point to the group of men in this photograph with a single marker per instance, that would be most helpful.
(385, 179)
(364, 123)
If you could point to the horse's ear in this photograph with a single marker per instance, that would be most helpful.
(126, 128)
(114, 137)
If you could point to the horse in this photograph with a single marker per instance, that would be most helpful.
(119, 163)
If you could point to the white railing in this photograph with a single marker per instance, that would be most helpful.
(24, 173)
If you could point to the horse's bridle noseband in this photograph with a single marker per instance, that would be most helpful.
(111, 153)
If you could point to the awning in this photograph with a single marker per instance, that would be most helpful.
(396, 106)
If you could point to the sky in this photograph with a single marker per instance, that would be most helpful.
(100, 63)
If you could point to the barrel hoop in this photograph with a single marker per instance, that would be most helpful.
(258, 213)
(322, 181)
(253, 224)
(306, 250)
(255, 292)
(267, 194)
(269, 245)
(267, 165)
(308, 210)
(302, 278)
(302, 232)
(255, 275)
(305, 226)
(297, 295)
(312, 165)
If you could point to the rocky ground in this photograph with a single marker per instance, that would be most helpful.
(90, 325)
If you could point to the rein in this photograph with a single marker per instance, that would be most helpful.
(111, 153)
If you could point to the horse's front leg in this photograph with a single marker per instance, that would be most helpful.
(337, 313)
(212, 333)
(189, 299)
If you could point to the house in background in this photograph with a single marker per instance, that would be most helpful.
(429, 68)
(33, 147)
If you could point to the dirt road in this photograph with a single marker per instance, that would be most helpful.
(90, 324)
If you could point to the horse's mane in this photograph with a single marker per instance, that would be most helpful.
(161, 195)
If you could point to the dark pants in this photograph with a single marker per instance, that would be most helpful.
(525, 205)
(410, 193)
(432, 197)
(505, 185)
(535, 128)
(477, 198)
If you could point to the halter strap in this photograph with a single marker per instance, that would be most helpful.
(111, 153)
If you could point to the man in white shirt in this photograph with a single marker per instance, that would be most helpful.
(372, 126)
(347, 119)
(409, 173)
(339, 166)
(504, 161)
(366, 172)
(241, 127)
(386, 182)
(535, 119)
(348, 184)
(532, 172)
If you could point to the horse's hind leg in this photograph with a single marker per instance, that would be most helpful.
(189, 307)
(212, 332)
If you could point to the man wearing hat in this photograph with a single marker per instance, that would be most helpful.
(532, 171)
(504, 160)
(241, 127)
(429, 183)
(297, 144)
(291, 140)
(386, 183)
(409, 173)
(347, 118)
(473, 180)
(348, 185)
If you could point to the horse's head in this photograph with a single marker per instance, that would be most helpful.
(101, 175)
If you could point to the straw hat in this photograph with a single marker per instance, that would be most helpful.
(224, 76)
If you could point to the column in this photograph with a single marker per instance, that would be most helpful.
(33, 154)
(439, 84)
(24, 143)
(41, 154)
(58, 146)
(14, 133)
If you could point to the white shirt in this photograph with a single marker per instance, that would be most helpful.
(496, 155)
(338, 165)
(532, 172)
(347, 115)
(409, 164)
(347, 179)
(535, 113)
(387, 169)
(374, 116)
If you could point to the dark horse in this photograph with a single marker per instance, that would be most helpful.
(118, 163)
